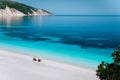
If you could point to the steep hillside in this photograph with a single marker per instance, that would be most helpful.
(9, 7)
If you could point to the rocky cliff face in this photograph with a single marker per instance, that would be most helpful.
(10, 12)
(10, 8)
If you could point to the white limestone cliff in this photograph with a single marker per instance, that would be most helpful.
(13, 12)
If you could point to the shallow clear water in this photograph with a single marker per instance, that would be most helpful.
(79, 40)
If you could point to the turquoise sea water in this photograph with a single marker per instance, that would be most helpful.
(77, 40)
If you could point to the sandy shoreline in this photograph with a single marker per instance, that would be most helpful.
(14, 66)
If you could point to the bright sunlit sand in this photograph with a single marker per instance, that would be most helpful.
(14, 66)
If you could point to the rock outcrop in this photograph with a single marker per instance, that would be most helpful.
(10, 8)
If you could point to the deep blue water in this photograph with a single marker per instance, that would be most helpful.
(79, 40)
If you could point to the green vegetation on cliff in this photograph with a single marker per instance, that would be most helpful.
(18, 6)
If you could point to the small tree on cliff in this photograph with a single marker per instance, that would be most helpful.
(110, 71)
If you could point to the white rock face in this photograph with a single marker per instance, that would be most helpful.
(10, 12)
(41, 12)
(13, 12)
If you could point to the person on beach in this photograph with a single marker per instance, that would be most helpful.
(37, 59)
(34, 59)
